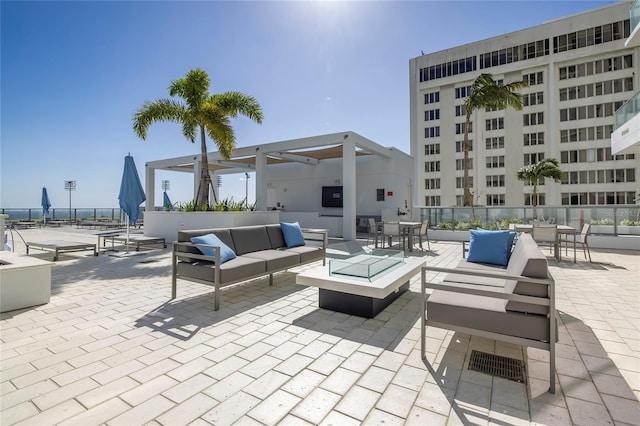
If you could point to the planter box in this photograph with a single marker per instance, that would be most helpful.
(24, 281)
(167, 224)
(629, 230)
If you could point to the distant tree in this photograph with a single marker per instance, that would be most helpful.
(487, 93)
(201, 112)
(531, 174)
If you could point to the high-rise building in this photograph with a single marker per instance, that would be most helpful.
(579, 71)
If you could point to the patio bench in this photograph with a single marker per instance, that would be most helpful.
(515, 304)
(259, 250)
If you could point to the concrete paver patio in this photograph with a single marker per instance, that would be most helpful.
(111, 348)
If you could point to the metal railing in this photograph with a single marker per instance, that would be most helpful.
(77, 214)
(608, 220)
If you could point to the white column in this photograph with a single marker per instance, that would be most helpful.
(150, 183)
(349, 190)
(261, 181)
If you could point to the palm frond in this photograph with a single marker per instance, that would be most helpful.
(234, 103)
(219, 129)
(153, 111)
(193, 88)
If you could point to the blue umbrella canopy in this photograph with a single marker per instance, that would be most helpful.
(46, 204)
(131, 191)
(167, 202)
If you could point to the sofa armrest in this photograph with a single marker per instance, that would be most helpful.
(316, 235)
(479, 290)
(188, 255)
(483, 273)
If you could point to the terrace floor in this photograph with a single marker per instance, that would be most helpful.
(111, 348)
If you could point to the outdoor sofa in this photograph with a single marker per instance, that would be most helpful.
(513, 303)
(258, 250)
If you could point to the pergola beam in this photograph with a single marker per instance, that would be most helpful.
(294, 157)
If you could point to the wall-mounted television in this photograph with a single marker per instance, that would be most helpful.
(331, 196)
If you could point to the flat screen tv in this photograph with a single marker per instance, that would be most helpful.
(331, 196)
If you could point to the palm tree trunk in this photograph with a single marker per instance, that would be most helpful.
(202, 198)
(534, 199)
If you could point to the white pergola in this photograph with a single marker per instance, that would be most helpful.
(309, 151)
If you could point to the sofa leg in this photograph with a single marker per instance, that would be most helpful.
(173, 286)
(270, 279)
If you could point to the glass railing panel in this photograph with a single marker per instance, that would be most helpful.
(634, 14)
(627, 111)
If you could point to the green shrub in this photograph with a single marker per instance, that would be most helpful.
(445, 225)
(629, 222)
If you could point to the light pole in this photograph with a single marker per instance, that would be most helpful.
(70, 185)
(165, 185)
(246, 191)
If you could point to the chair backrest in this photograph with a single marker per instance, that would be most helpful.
(424, 227)
(373, 227)
(545, 232)
(585, 232)
(390, 228)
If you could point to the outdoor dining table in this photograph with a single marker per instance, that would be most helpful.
(562, 229)
(406, 228)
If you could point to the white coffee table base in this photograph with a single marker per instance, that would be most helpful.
(360, 297)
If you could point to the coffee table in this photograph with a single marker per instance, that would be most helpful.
(361, 296)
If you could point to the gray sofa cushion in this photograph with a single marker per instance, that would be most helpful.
(307, 253)
(527, 260)
(232, 271)
(485, 313)
(275, 236)
(249, 239)
(276, 259)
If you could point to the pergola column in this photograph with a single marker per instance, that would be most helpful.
(149, 183)
(349, 189)
(261, 180)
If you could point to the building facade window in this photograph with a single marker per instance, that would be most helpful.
(432, 200)
(533, 119)
(460, 144)
(512, 54)
(495, 161)
(528, 199)
(495, 199)
(432, 132)
(461, 111)
(460, 164)
(596, 89)
(461, 126)
(432, 183)
(494, 123)
(534, 78)
(533, 158)
(585, 112)
(531, 139)
(448, 69)
(432, 114)
(494, 143)
(460, 182)
(495, 181)
(597, 198)
(431, 98)
(599, 66)
(591, 36)
(462, 92)
(586, 133)
(432, 149)
(431, 166)
(531, 99)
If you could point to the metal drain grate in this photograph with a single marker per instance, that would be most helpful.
(496, 365)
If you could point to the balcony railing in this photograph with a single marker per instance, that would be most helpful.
(634, 14)
(627, 111)
(608, 220)
(76, 214)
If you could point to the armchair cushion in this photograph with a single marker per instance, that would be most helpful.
(492, 247)
(226, 253)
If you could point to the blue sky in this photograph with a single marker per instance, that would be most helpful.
(73, 73)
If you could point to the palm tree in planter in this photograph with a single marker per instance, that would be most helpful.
(200, 112)
(531, 175)
(487, 93)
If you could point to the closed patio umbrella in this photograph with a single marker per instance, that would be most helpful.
(167, 202)
(46, 204)
(131, 193)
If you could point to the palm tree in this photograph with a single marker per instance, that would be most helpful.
(201, 112)
(531, 174)
(487, 93)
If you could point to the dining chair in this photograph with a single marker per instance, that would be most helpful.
(546, 233)
(581, 239)
(373, 231)
(389, 230)
(422, 233)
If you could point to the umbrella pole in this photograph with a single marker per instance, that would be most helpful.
(127, 244)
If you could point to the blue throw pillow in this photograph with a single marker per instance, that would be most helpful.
(292, 234)
(492, 247)
(226, 253)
